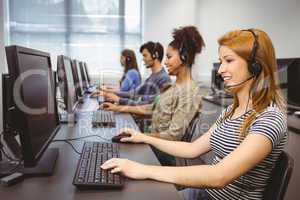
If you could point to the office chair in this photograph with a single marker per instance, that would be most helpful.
(280, 178)
(194, 127)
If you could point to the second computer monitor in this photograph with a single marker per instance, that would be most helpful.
(66, 82)
(78, 79)
(85, 81)
(87, 73)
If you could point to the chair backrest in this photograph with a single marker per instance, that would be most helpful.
(280, 178)
(192, 128)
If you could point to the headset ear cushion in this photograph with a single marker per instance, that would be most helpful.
(154, 55)
(183, 58)
(256, 69)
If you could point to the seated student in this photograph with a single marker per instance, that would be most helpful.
(131, 78)
(174, 109)
(146, 92)
(247, 138)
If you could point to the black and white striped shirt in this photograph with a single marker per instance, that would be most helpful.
(272, 124)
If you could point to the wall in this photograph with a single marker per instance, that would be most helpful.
(161, 17)
(280, 19)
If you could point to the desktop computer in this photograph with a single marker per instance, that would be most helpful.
(85, 82)
(31, 111)
(293, 74)
(78, 81)
(88, 88)
(67, 86)
(217, 84)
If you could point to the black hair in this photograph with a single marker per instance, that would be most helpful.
(189, 42)
(155, 48)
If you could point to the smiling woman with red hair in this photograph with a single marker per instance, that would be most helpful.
(246, 139)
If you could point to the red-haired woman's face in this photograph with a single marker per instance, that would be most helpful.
(233, 68)
(173, 61)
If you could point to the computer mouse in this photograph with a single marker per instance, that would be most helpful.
(118, 138)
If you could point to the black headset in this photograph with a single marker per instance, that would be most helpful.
(154, 53)
(128, 59)
(182, 53)
(253, 66)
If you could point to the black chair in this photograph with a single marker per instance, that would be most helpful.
(280, 178)
(193, 127)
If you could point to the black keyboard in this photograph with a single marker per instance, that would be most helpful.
(89, 175)
(102, 118)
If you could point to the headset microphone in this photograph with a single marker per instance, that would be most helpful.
(238, 84)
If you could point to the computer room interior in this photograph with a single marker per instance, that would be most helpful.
(280, 19)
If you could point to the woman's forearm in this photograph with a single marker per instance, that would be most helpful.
(140, 110)
(178, 148)
(191, 176)
(175, 148)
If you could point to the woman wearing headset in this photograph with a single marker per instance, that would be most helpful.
(131, 77)
(246, 139)
(173, 110)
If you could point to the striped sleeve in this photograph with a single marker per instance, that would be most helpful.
(272, 124)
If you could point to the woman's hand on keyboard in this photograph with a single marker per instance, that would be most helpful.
(109, 106)
(126, 167)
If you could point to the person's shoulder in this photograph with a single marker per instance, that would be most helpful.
(272, 110)
(132, 71)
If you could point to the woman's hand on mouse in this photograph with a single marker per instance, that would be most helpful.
(126, 167)
(135, 136)
(109, 106)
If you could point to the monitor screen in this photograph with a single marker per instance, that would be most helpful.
(67, 82)
(293, 76)
(217, 82)
(83, 75)
(77, 78)
(87, 73)
(34, 99)
(80, 79)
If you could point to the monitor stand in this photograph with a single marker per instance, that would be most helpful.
(67, 118)
(45, 166)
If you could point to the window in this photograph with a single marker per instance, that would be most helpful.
(94, 31)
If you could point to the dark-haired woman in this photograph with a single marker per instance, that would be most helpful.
(173, 110)
(247, 139)
(131, 78)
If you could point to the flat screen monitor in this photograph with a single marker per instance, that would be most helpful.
(34, 99)
(216, 80)
(87, 73)
(66, 82)
(293, 76)
(77, 79)
(84, 76)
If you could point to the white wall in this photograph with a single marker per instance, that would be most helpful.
(280, 19)
(2, 54)
(160, 17)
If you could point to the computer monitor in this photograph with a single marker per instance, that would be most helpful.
(84, 76)
(66, 82)
(87, 73)
(77, 78)
(293, 77)
(216, 80)
(35, 111)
